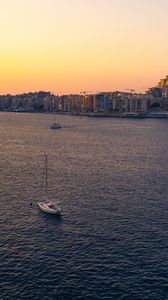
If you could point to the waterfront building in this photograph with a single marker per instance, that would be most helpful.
(133, 102)
(163, 86)
(101, 102)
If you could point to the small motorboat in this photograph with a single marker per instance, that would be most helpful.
(55, 126)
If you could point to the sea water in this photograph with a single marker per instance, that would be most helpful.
(110, 176)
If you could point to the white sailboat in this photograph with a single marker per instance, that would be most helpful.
(46, 205)
(55, 125)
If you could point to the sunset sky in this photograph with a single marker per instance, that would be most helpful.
(69, 46)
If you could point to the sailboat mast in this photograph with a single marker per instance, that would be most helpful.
(46, 173)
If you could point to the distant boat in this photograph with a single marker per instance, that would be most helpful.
(46, 205)
(55, 126)
(158, 115)
(138, 115)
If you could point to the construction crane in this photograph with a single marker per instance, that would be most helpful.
(86, 92)
(131, 90)
(146, 89)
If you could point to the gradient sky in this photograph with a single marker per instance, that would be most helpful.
(69, 46)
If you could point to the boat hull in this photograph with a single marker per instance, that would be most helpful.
(56, 126)
(49, 208)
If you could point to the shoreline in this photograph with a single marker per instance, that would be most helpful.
(152, 115)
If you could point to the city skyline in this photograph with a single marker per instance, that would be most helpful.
(75, 46)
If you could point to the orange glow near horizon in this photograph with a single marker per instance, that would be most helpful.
(68, 47)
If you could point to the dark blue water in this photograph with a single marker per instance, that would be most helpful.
(111, 179)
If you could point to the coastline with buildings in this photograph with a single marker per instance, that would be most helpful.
(153, 103)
